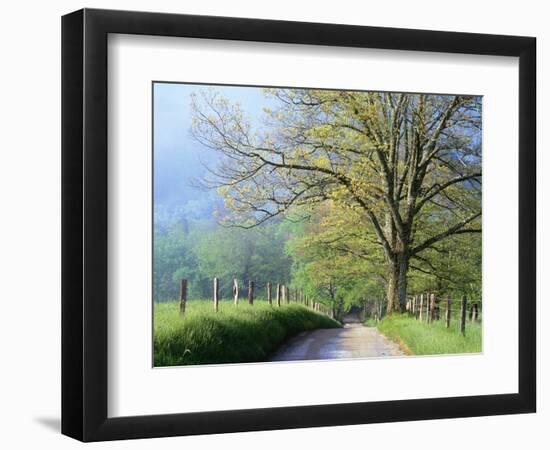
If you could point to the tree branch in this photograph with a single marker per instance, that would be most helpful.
(442, 187)
(438, 237)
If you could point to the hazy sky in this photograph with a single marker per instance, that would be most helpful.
(177, 155)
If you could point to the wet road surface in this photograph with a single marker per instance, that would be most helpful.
(352, 341)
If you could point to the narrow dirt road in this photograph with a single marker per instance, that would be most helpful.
(352, 341)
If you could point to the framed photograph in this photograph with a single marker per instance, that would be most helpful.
(273, 224)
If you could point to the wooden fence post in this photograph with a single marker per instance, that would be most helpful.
(448, 313)
(183, 295)
(431, 315)
(428, 308)
(427, 299)
(251, 292)
(278, 294)
(216, 294)
(474, 312)
(235, 291)
(421, 310)
(463, 307)
(283, 294)
(269, 299)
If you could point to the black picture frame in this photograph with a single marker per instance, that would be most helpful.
(84, 224)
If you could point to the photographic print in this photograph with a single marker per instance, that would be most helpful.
(317, 205)
(294, 224)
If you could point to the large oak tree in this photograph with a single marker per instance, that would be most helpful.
(407, 165)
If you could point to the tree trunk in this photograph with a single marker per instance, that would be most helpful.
(391, 294)
(397, 283)
(402, 281)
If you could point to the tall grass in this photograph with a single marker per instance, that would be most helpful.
(421, 338)
(235, 334)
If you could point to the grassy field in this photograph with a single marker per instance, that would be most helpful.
(420, 338)
(235, 334)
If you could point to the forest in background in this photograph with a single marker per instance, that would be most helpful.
(199, 249)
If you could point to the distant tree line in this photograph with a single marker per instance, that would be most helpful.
(303, 255)
(199, 250)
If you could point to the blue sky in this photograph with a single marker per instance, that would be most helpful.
(177, 155)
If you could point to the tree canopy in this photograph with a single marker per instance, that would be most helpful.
(388, 182)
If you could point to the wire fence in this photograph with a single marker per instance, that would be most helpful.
(277, 294)
(429, 308)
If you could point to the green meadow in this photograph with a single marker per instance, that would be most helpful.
(234, 334)
(421, 338)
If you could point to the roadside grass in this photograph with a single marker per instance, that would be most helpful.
(370, 322)
(235, 334)
(421, 338)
